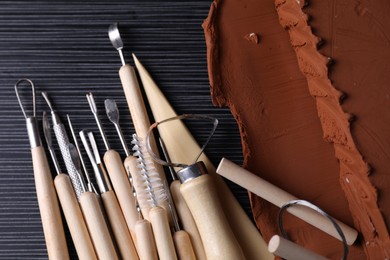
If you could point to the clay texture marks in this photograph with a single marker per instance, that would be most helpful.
(281, 133)
(361, 194)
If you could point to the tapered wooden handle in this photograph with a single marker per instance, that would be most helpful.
(146, 246)
(48, 206)
(162, 234)
(291, 251)
(218, 239)
(74, 218)
(187, 221)
(118, 225)
(121, 184)
(185, 149)
(279, 197)
(183, 246)
(97, 226)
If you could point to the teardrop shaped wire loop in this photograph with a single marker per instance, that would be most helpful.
(19, 99)
(180, 117)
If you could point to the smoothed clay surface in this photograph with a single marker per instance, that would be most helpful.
(265, 64)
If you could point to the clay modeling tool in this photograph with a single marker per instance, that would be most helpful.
(46, 194)
(279, 197)
(95, 220)
(200, 195)
(184, 149)
(63, 143)
(117, 173)
(151, 194)
(185, 215)
(133, 95)
(110, 202)
(288, 250)
(90, 185)
(70, 206)
(146, 246)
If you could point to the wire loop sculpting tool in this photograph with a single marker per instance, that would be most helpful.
(46, 194)
(199, 192)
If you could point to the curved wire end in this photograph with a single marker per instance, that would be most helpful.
(18, 96)
(180, 117)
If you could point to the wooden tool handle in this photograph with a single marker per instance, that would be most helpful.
(74, 218)
(97, 226)
(183, 246)
(121, 184)
(162, 234)
(137, 109)
(279, 197)
(146, 246)
(48, 206)
(185, 149)
(218, 239)
(291, 251)
(118, 225)
(187, 221)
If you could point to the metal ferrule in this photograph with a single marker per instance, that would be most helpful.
(55, 118)
(33, 132)
(191, 172)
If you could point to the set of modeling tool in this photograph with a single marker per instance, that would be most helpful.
(133, 213)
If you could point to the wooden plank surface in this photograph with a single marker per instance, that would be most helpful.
(64, 48)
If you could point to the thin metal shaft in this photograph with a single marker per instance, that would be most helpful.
(49, 142)
(100, 174)
(167, 158)
(92, 105)
(90, 185)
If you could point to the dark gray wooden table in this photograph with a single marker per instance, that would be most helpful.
(64, 48)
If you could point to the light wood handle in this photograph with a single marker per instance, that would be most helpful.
(97, 226)
(279, 197)
(162, 234)
(118, 225)
(187, 221)
(137, 109)
(48, 206)
(146, 246)
(291, 251)
(218, 239)
(74, 218)
(183, 246)
(185, 149)
(121, 184)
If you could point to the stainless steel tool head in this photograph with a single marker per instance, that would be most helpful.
(116, 40)
(115, 36)
(112, 110)
(49, 141)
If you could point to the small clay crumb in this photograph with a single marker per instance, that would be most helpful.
(252, 37)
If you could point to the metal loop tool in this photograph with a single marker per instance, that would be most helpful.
(317, 209)
(180, 117)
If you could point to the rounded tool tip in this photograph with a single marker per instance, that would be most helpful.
(115, 37)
